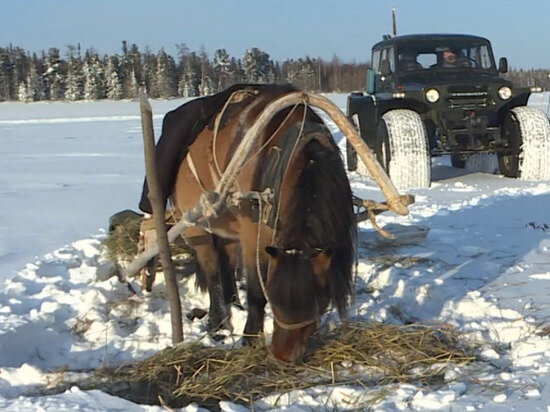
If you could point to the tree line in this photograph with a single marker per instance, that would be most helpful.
(85, 75)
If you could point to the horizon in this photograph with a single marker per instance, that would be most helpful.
(285, 30)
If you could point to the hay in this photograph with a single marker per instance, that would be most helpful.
(121, 244)
(358, 353)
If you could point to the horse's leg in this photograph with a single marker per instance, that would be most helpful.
(208, 265)
(253, 255)
(228, 257)
(148, 273)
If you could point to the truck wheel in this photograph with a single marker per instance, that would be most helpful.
(351, 155)
(354, 162)
(402, 149)
(528, 131)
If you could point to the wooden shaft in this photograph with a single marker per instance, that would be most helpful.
(157, 204)
(363, 151)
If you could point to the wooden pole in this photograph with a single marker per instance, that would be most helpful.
(157, 204)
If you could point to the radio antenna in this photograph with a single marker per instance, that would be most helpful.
(393, 21)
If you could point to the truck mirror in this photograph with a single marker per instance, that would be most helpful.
(503, 65)
(371, 81)
(385, 69)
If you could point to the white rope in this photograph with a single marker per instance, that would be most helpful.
(193, 169)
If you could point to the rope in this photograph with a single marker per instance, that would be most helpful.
(216, 129)
(272, 135)
(219, 117)
(194, 170)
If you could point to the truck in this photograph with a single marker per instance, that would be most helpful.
(430, 95)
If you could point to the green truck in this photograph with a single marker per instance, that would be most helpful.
(441, 94)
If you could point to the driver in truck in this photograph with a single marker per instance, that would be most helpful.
(453, 59)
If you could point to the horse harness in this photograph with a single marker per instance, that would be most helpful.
(265, 202)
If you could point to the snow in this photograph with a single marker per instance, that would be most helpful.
(473, 253)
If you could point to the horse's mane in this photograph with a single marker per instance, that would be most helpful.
(322, 216)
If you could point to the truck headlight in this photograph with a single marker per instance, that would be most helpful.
(504, 92)
(432, 95)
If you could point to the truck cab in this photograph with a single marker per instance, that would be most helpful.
(444, 89)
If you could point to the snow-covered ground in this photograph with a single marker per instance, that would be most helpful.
(484, 267)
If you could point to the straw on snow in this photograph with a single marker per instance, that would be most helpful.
(356, 353)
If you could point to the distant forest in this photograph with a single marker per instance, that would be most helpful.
(79, 75)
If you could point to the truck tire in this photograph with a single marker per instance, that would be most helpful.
(528, 131)
(402, 149)
(351, 155)
(354, 162)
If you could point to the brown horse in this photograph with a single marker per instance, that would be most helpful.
(296, 246)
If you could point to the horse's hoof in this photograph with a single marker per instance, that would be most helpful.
(252, 340)
(215, 325)
(196, 313)
(218, 337)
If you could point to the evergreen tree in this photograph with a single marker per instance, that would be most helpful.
(7, 91)
(22, 93)
(256, 66)
(205, 85)
(222, 69)
(74, 82)
(21, 66)
(290, 71)
(53, 75)
(35, 84)
(306, 74)
(236, 69)
(132, 86)
(183, 57)
(112, 78)
(94, 77)
(188, 85)
(148, 70)
(130, 69)
(165, 75)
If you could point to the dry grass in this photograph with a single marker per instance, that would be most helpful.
(358, 353)
(121, 244)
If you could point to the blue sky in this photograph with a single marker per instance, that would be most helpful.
(282, 28)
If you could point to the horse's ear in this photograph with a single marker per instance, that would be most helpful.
(273, 251)
(321, 261)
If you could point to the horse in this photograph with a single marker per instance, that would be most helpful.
(294, 220)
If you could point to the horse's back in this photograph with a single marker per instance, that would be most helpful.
(221, 132)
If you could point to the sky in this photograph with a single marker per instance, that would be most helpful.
(282, 28)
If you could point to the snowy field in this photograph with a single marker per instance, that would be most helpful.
(484, 267)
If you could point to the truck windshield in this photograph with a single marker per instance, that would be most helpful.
(432, 55)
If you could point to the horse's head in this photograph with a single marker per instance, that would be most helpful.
(297, 288)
